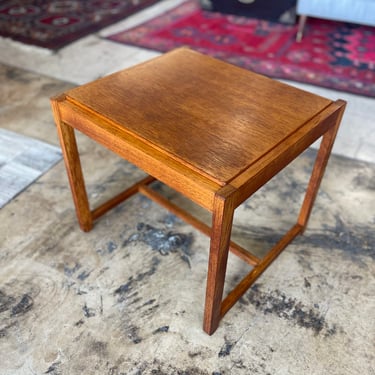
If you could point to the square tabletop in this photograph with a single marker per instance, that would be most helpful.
(212, 117)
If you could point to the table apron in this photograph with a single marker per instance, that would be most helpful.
(165, 169)
(284, 153)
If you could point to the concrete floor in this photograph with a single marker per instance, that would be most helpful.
(119, 301)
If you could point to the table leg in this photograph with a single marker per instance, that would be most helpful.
(222, 221)
(75, 175)
(319, 168)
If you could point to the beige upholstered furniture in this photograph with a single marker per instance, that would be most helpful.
(353, 11)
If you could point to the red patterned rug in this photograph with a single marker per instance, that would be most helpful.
(335, 55)
(54, 24)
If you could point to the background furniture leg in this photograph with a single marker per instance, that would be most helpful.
(301, 26)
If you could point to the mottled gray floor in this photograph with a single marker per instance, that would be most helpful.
(22, 161)
(127, 297)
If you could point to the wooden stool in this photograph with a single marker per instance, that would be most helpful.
(214, 132)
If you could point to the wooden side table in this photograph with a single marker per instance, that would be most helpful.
(214, 132)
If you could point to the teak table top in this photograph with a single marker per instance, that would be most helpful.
(214, 118)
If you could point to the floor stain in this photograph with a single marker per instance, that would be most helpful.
(277, 303)
(165, 242)
(83, 275)
(88, 312)
(69, 271)
(364, 179)
(126, 290)
(17, 75)
(109, 248)
(54, 369)
(226, 348)
(98, 347)
(22, 307)
(163, 329)
(4, 330)
(133, 334)
(353, 240)
(5, 301)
